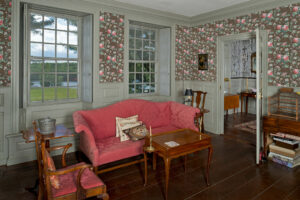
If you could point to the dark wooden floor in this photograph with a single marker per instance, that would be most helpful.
(233, 175)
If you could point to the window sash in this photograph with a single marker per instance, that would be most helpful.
(28, 58)
(142, 61)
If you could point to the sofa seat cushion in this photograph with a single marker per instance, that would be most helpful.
(111, 149)
(68, 181)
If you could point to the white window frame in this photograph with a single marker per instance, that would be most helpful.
(156, 62)
(27, 58)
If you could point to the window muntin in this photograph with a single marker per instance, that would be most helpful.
(53, 60)
(142, 60)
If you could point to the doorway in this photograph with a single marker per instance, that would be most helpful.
(260, 82)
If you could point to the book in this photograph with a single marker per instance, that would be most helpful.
(285, 140)
(284, 151)
(283, 160)
(286, 145)
(284, 135)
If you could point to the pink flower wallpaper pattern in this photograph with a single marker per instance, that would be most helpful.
(111, 47)
(283, 24)
(5, 43)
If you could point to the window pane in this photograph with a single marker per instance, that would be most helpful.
(73, 94)
(146, 67)
(35, 80)
(131, 89)
(35, 94)
(138, 78)
(73, 66)
(138, 44)
(36, 49)
(138, 89)
(152, 45)
(131, 54)
(73, 25)
(62, 37)
(146, 78)
(73, 80)
(49, 65)
(61, 51)
(139, 33)
(131, 43)
(146, 44)
(62, 80)
(152, 55)
(36, 66)
(49, 93)
(62, 66)
(152, 67)
(152, 35)
(146, 88)
(49, 50)
(49, 80)
(145, 34)
(73, 53)
(49, 36)
(131, 32)
(49, 22)
(62, 24)
(139, 67)
(73, 38)
(131, 67)
(131, 78)
(152, 89)
(138, 55)
(62, 93)
(152, 78)
(36, 35)
(36, 21)
(146, 55)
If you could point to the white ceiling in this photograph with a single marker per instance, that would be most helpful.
(187, 8)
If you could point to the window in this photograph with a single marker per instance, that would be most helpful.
(54, 57)
(143, 64)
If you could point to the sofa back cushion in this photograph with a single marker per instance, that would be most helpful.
(102, 120)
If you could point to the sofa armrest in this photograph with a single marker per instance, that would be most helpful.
(182, 116)
(87, 140)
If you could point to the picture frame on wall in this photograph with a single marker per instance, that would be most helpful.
(202, 61)
(253, 62)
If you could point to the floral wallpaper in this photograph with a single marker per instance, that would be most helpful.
(283, 24)
(5, 43)
(111, 47)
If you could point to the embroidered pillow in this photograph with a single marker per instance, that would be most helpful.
(53, 179)
(125, 123)
(137, 133)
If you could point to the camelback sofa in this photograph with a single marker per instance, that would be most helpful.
(97, 127)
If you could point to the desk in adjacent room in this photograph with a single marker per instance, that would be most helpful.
(246, 94)
(231, 101)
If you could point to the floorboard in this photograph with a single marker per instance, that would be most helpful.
(233, 174)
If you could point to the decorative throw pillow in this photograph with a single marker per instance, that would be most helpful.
(137, 133)
(53, 179)
(126, 123)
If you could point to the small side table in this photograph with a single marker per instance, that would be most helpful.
(246, 94)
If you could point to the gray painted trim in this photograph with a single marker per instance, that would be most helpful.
(239, 10)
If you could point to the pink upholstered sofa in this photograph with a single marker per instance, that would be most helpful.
(97, 127)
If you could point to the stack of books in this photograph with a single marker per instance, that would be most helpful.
(285, 151)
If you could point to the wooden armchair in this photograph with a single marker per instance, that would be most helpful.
(198, 97)
(73, 182)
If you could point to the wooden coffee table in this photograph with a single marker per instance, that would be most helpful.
(189, 141)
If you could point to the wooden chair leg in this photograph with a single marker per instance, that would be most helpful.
(154, 161)
(103, 196)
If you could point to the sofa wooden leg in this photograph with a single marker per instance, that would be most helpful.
(96, 170)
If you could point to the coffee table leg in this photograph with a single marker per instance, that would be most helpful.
(154, 161)
(146, 167)
(210, 150)
(167, 170)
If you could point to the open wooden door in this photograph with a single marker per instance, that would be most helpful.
(258, 94)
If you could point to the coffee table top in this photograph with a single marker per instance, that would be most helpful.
(188, 141)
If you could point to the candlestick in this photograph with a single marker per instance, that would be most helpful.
(150, 148)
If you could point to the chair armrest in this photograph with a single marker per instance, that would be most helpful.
(65, 149)
(65, 171)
